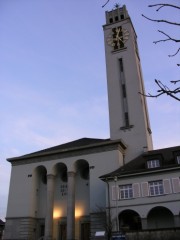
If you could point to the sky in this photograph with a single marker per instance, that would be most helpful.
(53, 77)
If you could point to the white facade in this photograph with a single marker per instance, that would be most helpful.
(53, 189)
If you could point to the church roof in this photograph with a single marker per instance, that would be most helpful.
(79, 144)
(138, 166)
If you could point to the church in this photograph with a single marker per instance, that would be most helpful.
(72, 190)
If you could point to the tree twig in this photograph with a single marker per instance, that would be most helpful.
(105, 3)
(163, 89)
(175, 81)
(161, 5)
(168, 39)
(161, 20)
(174, 53)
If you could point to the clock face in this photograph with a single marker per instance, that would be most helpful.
(118, 37)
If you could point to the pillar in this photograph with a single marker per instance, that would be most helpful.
(144, 223)
(176, 221)
(71, 206)
(49, 208)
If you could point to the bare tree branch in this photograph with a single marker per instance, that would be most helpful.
(161, 20)
(175, 81)
(174, 53)
(163, 89)
(168, 39)
(105, 3)
(161, 5)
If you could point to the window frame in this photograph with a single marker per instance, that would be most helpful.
(153, 163)
(126, 191)
(156, 188)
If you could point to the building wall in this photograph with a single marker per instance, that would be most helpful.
(28, 188)
(143, 203)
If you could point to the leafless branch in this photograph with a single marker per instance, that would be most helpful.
(161, 5)
(168, 39)
(172, 55)
(105, 3)
(161, 20)
(175, 81)
(163, 89)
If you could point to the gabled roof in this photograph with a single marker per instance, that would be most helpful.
(79, 144)
(139, 164)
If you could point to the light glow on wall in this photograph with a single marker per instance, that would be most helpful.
(78, 212)
(57, 213)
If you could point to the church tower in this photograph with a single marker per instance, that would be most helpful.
(128, 113)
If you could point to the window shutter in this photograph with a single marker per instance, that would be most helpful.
(115, 193)
(136, 190)
(176, 185)
(167, 186)
(145, 189)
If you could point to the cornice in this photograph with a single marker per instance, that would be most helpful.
(66, 153)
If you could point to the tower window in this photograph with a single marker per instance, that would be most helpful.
(124, 90)
(122, 16)
(121, 64)
(111, 20)
(126, 116)
(116, 18)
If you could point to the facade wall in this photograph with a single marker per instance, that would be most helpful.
(143, 203)
(28, 189)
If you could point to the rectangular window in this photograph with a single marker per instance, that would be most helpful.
(126, 116)
(121, 64)
(155, 163)
(178, 159)
(124, 90)
(156, 188)
(126, 191)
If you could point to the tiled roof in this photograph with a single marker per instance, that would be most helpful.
(139, 164)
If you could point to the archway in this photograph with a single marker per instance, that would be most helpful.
(82, 168)
(129, 220)
(160, 217)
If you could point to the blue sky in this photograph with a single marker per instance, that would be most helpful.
(53, 76)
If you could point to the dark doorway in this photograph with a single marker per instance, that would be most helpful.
(85, 231)
(62, 232)
(130, 220)
(42, 230)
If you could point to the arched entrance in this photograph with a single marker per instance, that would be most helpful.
(160, 217)
(129, 220)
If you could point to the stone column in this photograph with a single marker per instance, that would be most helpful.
(176, 221)
(49, 207)
(144, 223)
(71, 206)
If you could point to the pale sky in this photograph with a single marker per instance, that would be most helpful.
(53, 76)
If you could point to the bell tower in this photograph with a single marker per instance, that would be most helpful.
(128, 113)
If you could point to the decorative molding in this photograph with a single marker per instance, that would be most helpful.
(118, 145)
